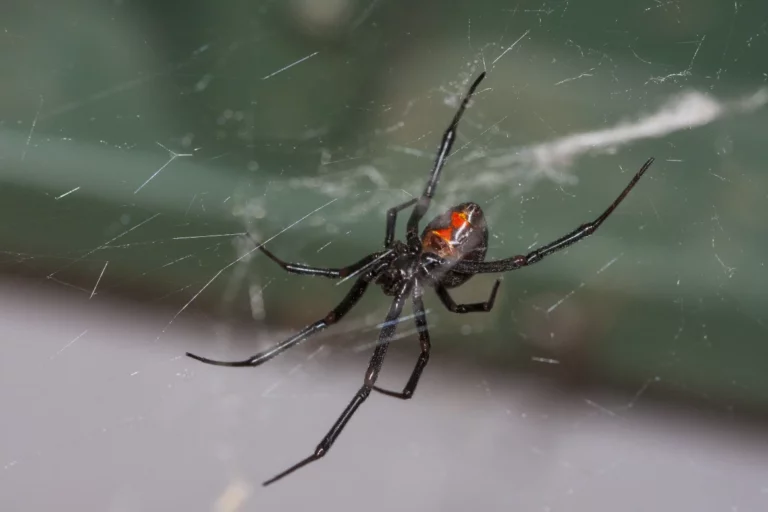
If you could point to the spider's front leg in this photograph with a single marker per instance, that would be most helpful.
(336, 314)
(419, 317)
(371, 374)
(421, 325)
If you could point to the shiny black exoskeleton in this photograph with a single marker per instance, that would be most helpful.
(450, 250)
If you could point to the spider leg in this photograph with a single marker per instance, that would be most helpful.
(421, 326)
(336, 314)
(583, 231)
(475, 307)
(392, 220)
(374, 366)
(333, 273)
(442, 155)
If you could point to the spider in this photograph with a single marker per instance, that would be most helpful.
(450, 250)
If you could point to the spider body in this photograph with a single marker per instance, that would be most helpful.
(401, 265)
(450, 250)
(459, 233)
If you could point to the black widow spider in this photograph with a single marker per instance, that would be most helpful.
(450, 251)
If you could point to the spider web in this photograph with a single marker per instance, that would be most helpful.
(140, 142)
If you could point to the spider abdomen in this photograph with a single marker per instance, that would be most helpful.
(459, 233)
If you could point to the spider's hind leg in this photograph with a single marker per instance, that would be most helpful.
(475, 307)
(306, 270)
(392, 220)
(444, 150)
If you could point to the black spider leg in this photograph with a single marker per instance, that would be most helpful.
(421, 326)
(300, 268)
(475, 307)
(389, 236)
(583, 231)
(374, 366)
(412, 234)
(347, 303)
(333, 273)
(419, 317)
(336, 273)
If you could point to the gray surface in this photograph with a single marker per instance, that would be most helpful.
(118, 421)
(306, 120)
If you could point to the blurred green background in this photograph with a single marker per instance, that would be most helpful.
(331, 112)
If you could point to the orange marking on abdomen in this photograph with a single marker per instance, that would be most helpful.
(445, 234)
(459, 220)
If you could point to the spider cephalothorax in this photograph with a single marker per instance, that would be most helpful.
(459, 233)
(397, 266)
(450, 251)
